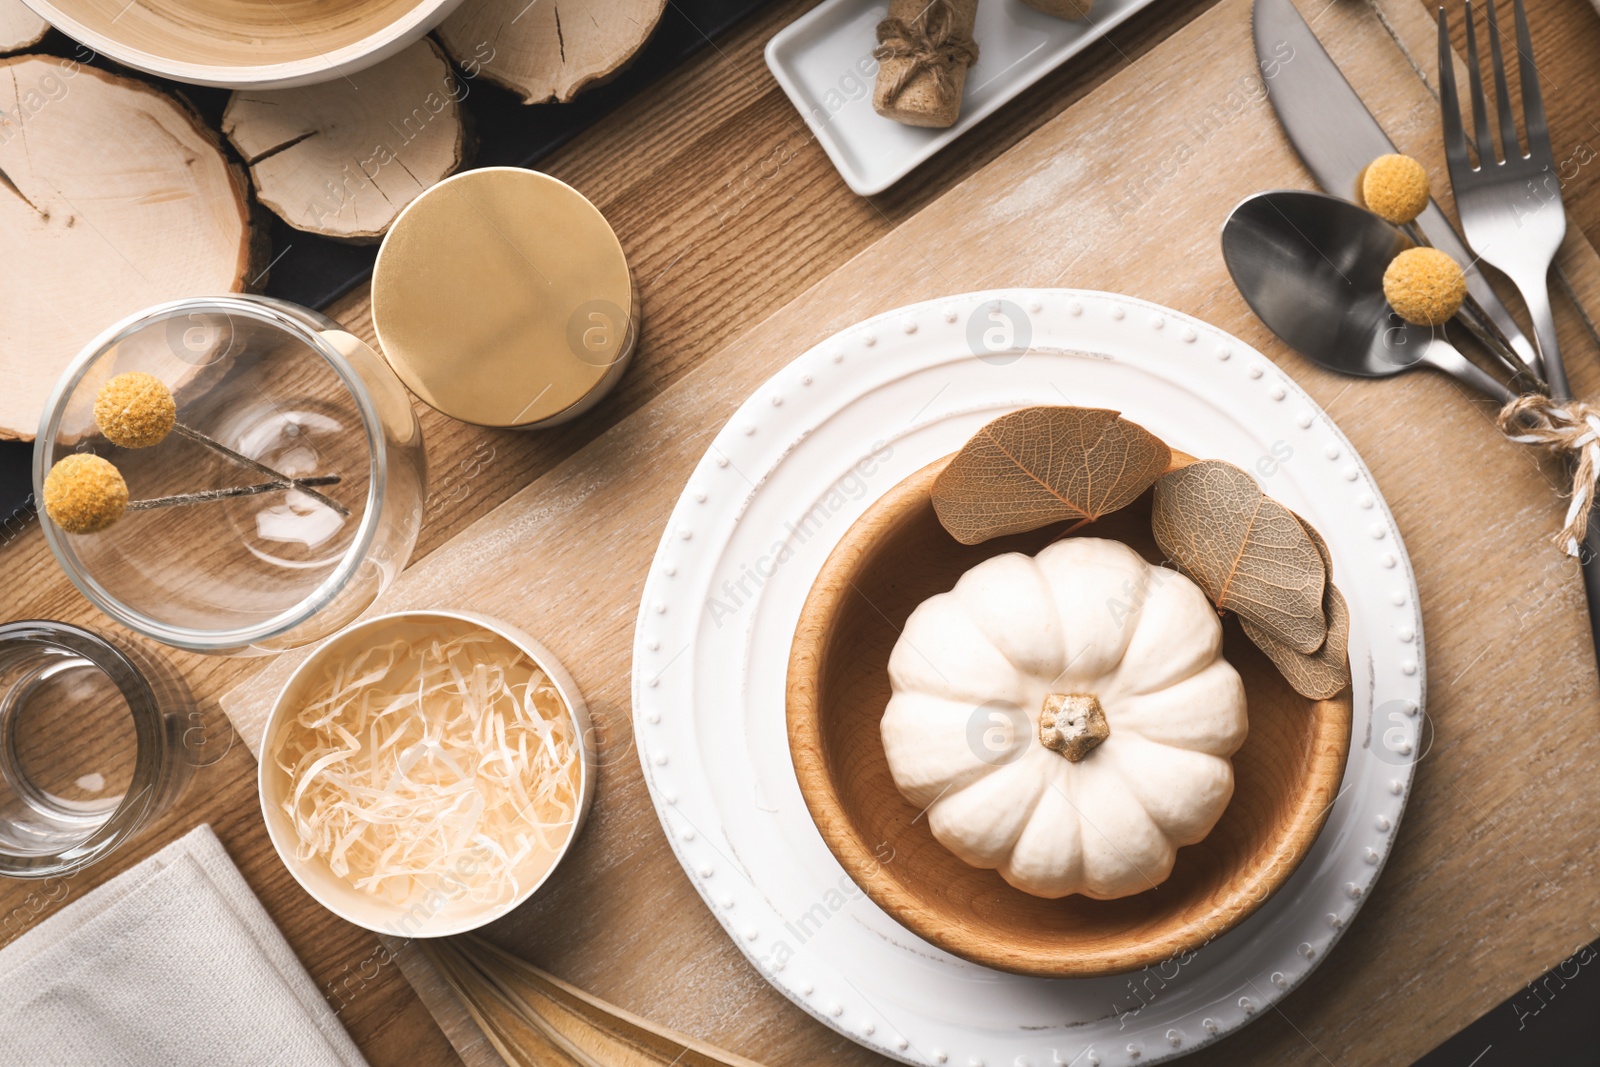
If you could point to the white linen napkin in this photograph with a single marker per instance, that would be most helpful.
(173, 962)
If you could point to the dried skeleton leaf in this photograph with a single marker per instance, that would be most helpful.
(1248, 552)
(1321, 546)
(1323, 673)
(1042, 465)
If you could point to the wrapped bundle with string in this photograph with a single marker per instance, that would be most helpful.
(1565, 428)
(924, 50)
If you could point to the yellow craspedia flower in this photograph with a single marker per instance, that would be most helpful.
(84, 494)
(1424, 286)
(135, 410)
(1395, 187)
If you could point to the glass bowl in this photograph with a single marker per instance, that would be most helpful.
(94, 743)
(289, 389)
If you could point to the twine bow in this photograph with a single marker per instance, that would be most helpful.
(931, 42)
(1567, 428)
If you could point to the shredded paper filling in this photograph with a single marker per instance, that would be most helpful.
(433, 765)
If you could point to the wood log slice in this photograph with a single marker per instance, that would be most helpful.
(550, 49)
(344, 157)
(19, 27)
(113, 197)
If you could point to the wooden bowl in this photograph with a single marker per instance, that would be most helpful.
(896, 556)
(246, 44)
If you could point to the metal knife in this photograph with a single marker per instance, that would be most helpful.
(1337, 137)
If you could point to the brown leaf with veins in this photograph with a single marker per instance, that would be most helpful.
(1321, 545)
(1323, 673)
(1042, 465)
(1248, 552)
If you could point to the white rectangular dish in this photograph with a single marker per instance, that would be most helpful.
(823, 60)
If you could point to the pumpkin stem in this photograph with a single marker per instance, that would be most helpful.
(1073, 724)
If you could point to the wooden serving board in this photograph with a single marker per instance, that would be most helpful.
(1124, 191)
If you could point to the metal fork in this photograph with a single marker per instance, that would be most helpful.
(1511, 213)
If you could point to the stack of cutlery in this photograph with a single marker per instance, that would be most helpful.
(1311, 265)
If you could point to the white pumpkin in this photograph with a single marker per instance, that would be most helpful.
(1067, 718)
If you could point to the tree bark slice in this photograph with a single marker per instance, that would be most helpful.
(344, 157)
(113, 197)
(550, 49)
(19, 27)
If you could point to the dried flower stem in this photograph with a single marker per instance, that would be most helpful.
(256, 465)
(183, 499)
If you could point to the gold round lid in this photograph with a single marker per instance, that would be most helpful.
(501, 297)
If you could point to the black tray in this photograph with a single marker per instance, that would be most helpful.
(313, 270)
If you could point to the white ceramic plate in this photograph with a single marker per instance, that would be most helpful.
(798, 463)
(824, 62)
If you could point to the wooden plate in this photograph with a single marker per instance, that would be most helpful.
(894, 557)
(244, 44)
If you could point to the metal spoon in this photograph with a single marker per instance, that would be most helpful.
(1311, 266)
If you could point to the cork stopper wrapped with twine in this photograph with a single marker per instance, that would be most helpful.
(924, 50)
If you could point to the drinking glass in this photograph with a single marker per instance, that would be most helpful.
(96, 740)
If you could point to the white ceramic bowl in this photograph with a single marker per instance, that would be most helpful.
(429, 917)
(245, 44)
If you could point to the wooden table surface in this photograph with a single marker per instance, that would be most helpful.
(728, 209)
